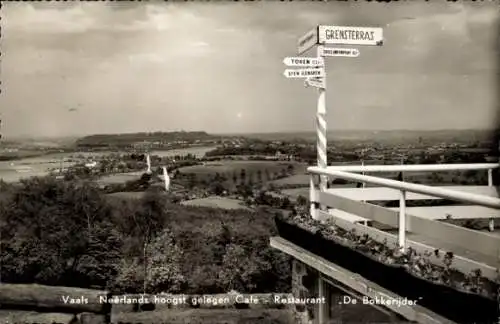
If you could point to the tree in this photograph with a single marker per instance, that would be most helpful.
(239, 270)
(259, 176)
(285, 203)
(243, 175)
(267, 175)
(165, 271)
(40, 214)
(217, 188)
(301, 200)
(191, 181)
(149, 220)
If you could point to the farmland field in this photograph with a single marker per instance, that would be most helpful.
(126, 195)
(39, 165)
(215, 202)
(120, 177)
(236, 166)
(298, 179)
(199, 152)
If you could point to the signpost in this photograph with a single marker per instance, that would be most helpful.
(308, 40)
(345, 52)
(303, 61)
(315, 77)
(315, 82)
(350, 35)
(304, 73)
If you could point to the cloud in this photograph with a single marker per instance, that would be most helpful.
(173, 65)
(200, 44)
(24, 17)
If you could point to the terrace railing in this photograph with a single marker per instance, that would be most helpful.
(324, 199)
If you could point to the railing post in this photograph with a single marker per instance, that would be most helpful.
(402, 221)
(321, 306)
(321, 145)
(490, 177)
(312, 197)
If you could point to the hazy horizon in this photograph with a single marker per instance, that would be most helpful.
(361, 132)
(75, 69)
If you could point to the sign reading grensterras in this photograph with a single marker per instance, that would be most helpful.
(344, 35)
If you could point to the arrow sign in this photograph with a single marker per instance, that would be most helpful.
(308, 40)
(303, 61)
(304, 73)
(345, 52)
(316, 82)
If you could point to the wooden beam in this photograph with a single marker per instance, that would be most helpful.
(415, 313)
(389, 194)
(51, 297)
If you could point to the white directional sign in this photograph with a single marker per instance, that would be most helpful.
(304, 61)
(350, 35)
(315, 82)
(304, 73)
(308, 40)
(346, 52)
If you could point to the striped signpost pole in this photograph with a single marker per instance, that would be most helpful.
(321, 144)
(316, 77)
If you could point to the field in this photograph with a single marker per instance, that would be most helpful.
(215, 202)
(297, 179)
(197, 151)
(225, 167)
(33, 164)
(126, 195)
(120, 177)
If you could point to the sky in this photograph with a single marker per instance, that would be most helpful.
(110, 67)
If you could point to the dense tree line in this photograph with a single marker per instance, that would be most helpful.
(119, 140)
(70, 233)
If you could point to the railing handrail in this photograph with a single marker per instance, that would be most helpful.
(414, 167)
(455, 195)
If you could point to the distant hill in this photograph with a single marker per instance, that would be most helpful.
(131, 138)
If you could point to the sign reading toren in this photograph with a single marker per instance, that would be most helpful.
(303, 61)
(345, 35)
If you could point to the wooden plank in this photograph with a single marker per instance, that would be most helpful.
(415, 313)
(51, 297)
(457, 212)
(362, 209)
(461, 263)
(346, 216)
(18, 316)
(473, 240)
(388, 194)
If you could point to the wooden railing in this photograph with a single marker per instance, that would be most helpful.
(478, 242)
